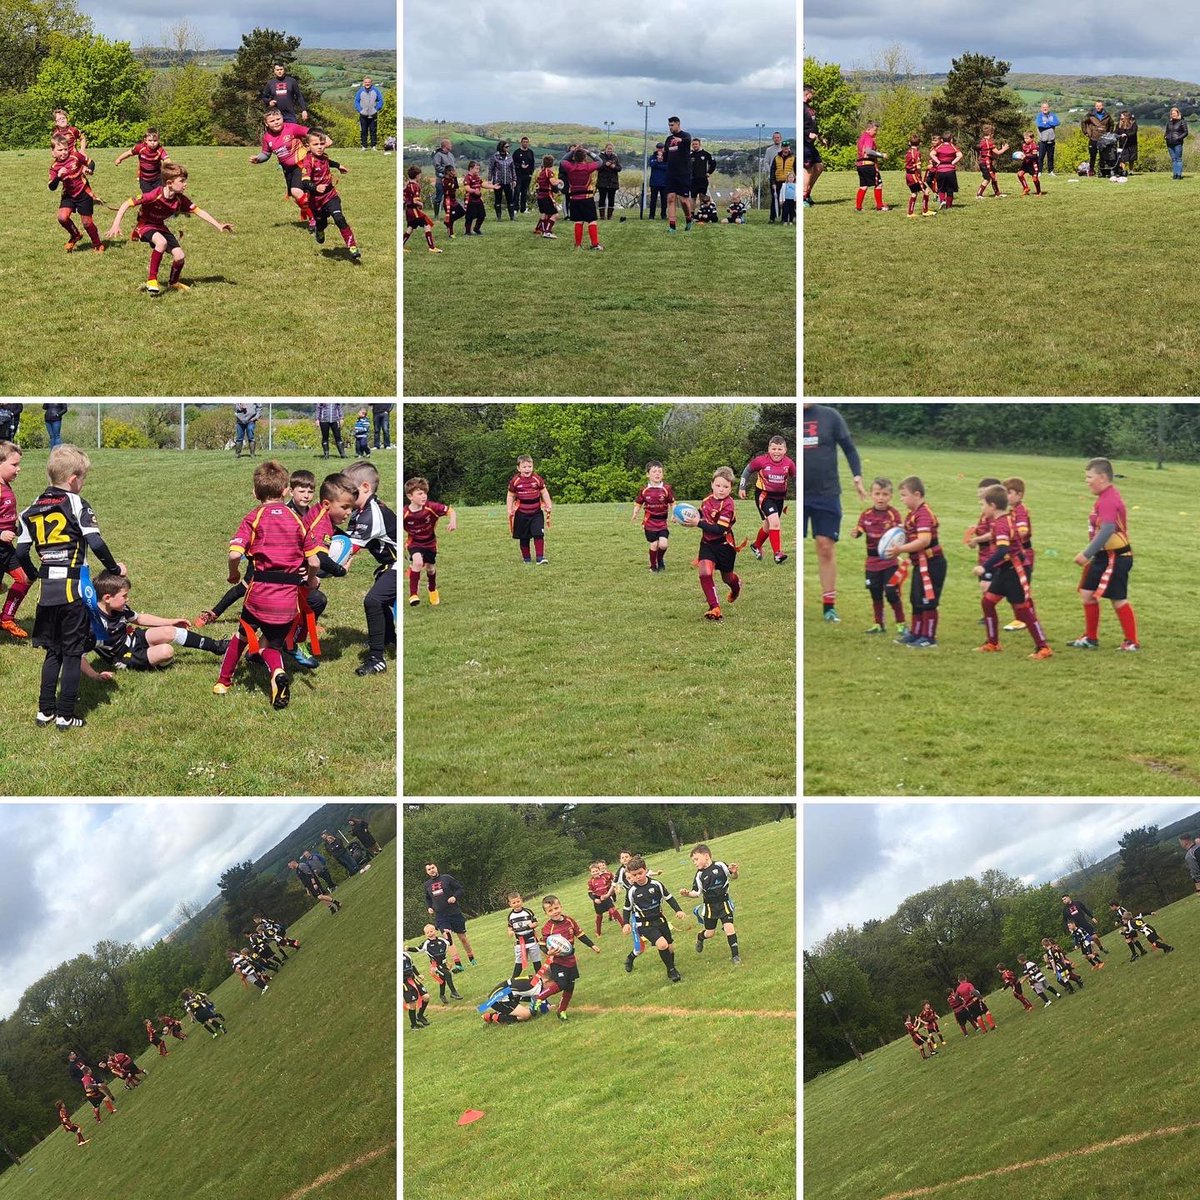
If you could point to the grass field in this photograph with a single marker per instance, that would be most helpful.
(302, 1086)
(706, 313)
(1001, 297)
(271, 313)
(593, 676)
(169, 516)
(707, 1065)
(1089, 1098)
(954, 722)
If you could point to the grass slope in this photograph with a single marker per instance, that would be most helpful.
(1009, 288)
(169, 517)
(1091, 1069)
(302, 1084)
(1084, 722)
(592, 676)
(85, 327)
(707, 313)
(715, 1094)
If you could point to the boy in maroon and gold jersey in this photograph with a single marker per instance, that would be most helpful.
(420, 523)
(316, 178)
(928, 565)
(1029, 165)
(415, 216)
(882, 574)
(151, 156)
(1107, 560)
(155, 208)
(929, 1019)
(920, 1036)
(979, 535)
(655, 499)
(545, 198)
(602, 888)
(70, 169)
(914, 178)
(64, 1119)
(931, 170)
(284, 140)
(987, 161)
(1009, 980)
(62, 124)
(450, 204)
(10, 468)
(946, 156)
(282, 550)
(563, 970)
(1022, 523)
(718, 550)
(529, 507)
(771, 473)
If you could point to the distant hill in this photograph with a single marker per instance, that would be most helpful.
(1166, 834)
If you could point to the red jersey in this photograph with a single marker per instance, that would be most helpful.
(412, 197)
(874, 523)
(285, 144)
(319, 528)
(275, 539)
(318, 169)
(912, 165)
(987, 148)
(929, 1016)
(598, 887)
(150, 160)
(865, 142)
(983, 529)
(545, 183)
(772, 476)
(71, 173)
(449, 193)
(656, 500)
(8, 510)
(68, 131)
(1110, 507)
(528, 491)
(1022, 524)
(1008, 978)
(566, 927)
(914, 1031)
(1004, 535)
(155, 208)
(473, 183)
(965, 991)
(718, 512)
(1030, 150)
(956, 1002)
(421, 525)
(922, 520)
(579, 177)
(944, 156)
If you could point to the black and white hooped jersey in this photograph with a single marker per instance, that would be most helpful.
(374, 528)
(524, 924)
(60, 526)
(713, 881)
(436, 947)
(410, 970)
(1033, 974)
(647, 900)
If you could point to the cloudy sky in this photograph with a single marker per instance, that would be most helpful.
(76, 874)
(368, 25)
(1073, 37)
(713, 65)
(862, 860)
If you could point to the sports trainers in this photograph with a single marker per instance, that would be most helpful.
(674, 976)
(304, 659)
(906, 638)
(219, 689)
(562, 1016)
(1013, 626)
(44, 719)
(543, 561)
(875, 629)
(831, 616)
(989, 648)
(923, 643)
(780, 559)
(737, 962)
(207, 617)
(434, 598)
(413, 601)
(735, 590)
(756, 552)
(629, 964)
(372, 665)
(1043, 652)
(699, 943)
(1085, 643)
(714, 614)
(1125, 645)
(281, 689)
(61, 723)
(12, 628)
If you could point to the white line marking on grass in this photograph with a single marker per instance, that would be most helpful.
(1127, 1139)
(338, 1172)
(657, 1010)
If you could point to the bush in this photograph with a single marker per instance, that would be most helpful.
(210, 429)
(31, 433)
(297, 435)
(119, 435)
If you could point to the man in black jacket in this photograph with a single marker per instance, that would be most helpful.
(282, 91)
(443, 896)
(703, 165)
(523, 161)
(1078, 914)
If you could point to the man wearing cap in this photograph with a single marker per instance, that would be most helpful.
(768, 169)
(282, 91)
(783, 162)
(368, 103)
(813, 163)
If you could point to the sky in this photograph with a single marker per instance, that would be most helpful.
(1072, 37)
(862, 860)
(368, 25)
(77, 874)
(716, 65)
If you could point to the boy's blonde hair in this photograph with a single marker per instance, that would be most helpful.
(524, 458)
(270, 479)
(359, 472)
(725, 473)
(7, 450)
(66, 460)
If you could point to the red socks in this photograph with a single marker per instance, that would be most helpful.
(348, 236)
(593, 234)
(1026, 612)
(17, 591)
(539, 547)
(156, 257)
(877, 604)
(89, 227)
(578, 233)
(72, 230)
(176, 270)
(760, 538)
(428, 237)
(990, 620)
(862, 194)
(566, 999)
(879, 197)
(709, 590)
(230, 661)
(1128, 624)
(773, 534)
(1091, 620)
(654, 558)
(414, 577)
(600, 916)
(912, 202)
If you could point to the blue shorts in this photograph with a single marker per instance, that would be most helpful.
(451, 919)
(825, 517)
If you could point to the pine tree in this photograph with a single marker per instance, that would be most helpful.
(976, 95)
(237, 101)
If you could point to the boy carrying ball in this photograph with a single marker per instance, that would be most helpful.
(884, 578)
(718, 550)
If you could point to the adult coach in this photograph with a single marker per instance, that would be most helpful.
(1191, 857)
(368, 103)
(1078, 914)
(824, 432)
(523, 161)
(813, 163)
(703, 165)
(1047, 122)
(282, 91)
(443, 894)
(677, 150)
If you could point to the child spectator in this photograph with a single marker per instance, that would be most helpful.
(884, 577)
(929, 1018)
(1039, 982)
(913, 177)
(415, 216)
(362, 434)
(787, 196)
(61, 527)
(736, 210)
(987, 162)
(712, 884)
(286, 141)
(546, 186)
(1009, 980)
(10, 468)
(373, 527)
(151, 156)
(529, 506)
(155, 208)
(655, 500)
(644, 902)
(76, 138)
(522, 928)
(1108, 558)
(70, 169)
(1029, 165)
(928, 565)
(325, 202)
(437, 949)
(707, 212)
(771, 474)
(562, 969)
(602, 887)
(718, 550)
(421, 516)
(64, 1119)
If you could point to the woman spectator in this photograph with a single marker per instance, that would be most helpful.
(329, 418)
(53, 416)
(658, 181)
(1047, 123)
(607, 180)
(502, 171)
(1127, 142)
(1175, 134)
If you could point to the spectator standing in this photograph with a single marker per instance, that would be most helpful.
(502, 172)
(381, 417)
(321, 864)
(10, 420)
(329, 419)
(246, 418)
(1095, 125)
(781, 164)
(361, 830)
(334, 847)
(1127, 142)
(1047, 122)
(658, 181)
(768, 167)
(523, 162)
(1175, 134)
(368, 103)
(608, 179)
(1191, 857)
(282, 91)
(53, 416)
(703, 165)
(442, 158)
(813, 163)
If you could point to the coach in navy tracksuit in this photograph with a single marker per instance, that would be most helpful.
(282, 91)
(1080, 916)
(443, 898)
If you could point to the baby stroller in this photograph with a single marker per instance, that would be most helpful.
(1107, 159)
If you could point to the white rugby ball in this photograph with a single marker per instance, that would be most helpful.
(888, 539)
(559, 946)
(340, 549)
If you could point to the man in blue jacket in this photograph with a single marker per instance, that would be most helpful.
(368, 103)
(1047, 122)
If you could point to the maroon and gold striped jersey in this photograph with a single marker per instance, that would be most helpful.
(656, 499)
(874, 523)
(150, 160)
(412, 197)
(156, 207)
(71, 173)
(987, 149)
(286, 144)
(718, 512)
(318, 170)
(68, 131)
(1022, 523)
(566, 927)
(545, 183)
(8, 509)
(922, 520)
(983, 529)
(421, 524)
(528, 491)
(912, 165)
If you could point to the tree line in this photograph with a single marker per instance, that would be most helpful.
(587, 453)
(884, 969)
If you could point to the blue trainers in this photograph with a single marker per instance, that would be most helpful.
(304, 659)
(906, 638)
(832, 617)
(922, 643)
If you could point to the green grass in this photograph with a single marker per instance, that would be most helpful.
(960, 723)
(271, 313)
(706, 313)
(714, 1093)
(592, 676)
(302, 1084)
(169, 517)
(1090, 1069)
(1001, 297)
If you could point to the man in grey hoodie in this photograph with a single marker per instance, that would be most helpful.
(246, 416)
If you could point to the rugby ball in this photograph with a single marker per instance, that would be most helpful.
(340, 549)
(559, 946)
(888, 539)
(1018, 156)
(683, 513)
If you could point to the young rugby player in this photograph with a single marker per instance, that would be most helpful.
(76, 138)
(718, 550)
(1029, 164)
(202, 1010)
(920, 1036)
(450, 204)
(473, 185)
(961, 1014)
(1086, 942)
(884, 577)
(518, 999)
(562, 969)
(10, 468)
(437, 948)
(914, 178)
(712, 884)
(545, 184)
(928, 565)
(155, 1038)
(372, 527)
(151, 156)
(415, 217)
(644, 902)
(946, 156)
(522, 928)
(1143, 926)
(979, 535)
(64, 1119)
(1010, 980)
(930, 1018)
(602, 887)
(70, 169)
(416, 998)
(771, 474)
(1038, 982)
(95, 1096)
(316, 179)
(421, 516)
(1019, 513)
(988, 153)
(529, 507)
(285, 140)
(655, 500)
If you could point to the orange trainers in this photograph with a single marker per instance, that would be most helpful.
(12, 628)
(714, 614)
(989, 648)
(207, 617)
(1044, 652)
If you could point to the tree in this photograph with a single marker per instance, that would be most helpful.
(237, 100)
(773, 419)
(975, 95)
(28, 29)
(156, 976)
(246, 893)
(834, 101)
(898, 108)
(1151, 873)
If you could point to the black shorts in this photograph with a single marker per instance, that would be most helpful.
(1029, 166)
(1117, 587)
(652, 535)
(428, 553)
(565, 977)
(768, 503)
(327, 208)
(148, 185)
(291, 177)
(869, 177)
(583, 210)
(134, 652)
(602, 906)
(451, 919)
(961, 1017)
(65, 628)
(651, 931)
(147, 236)
(83, 204)
(528, 525)
(413, 991)
(1007, 585)
(717, 912)
(273, 635)
(947, 182)
(679, 187)
(720, 553)
(546, 206)
(986, 172)
(811, 154)
(825, 518)
(879, 581)
(914, 185)
(937, 576)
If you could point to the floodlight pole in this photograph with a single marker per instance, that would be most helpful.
(837, 1016)
(270, 427)
(98, 418)
(182, 430)
(761, 169)
(646, 106)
